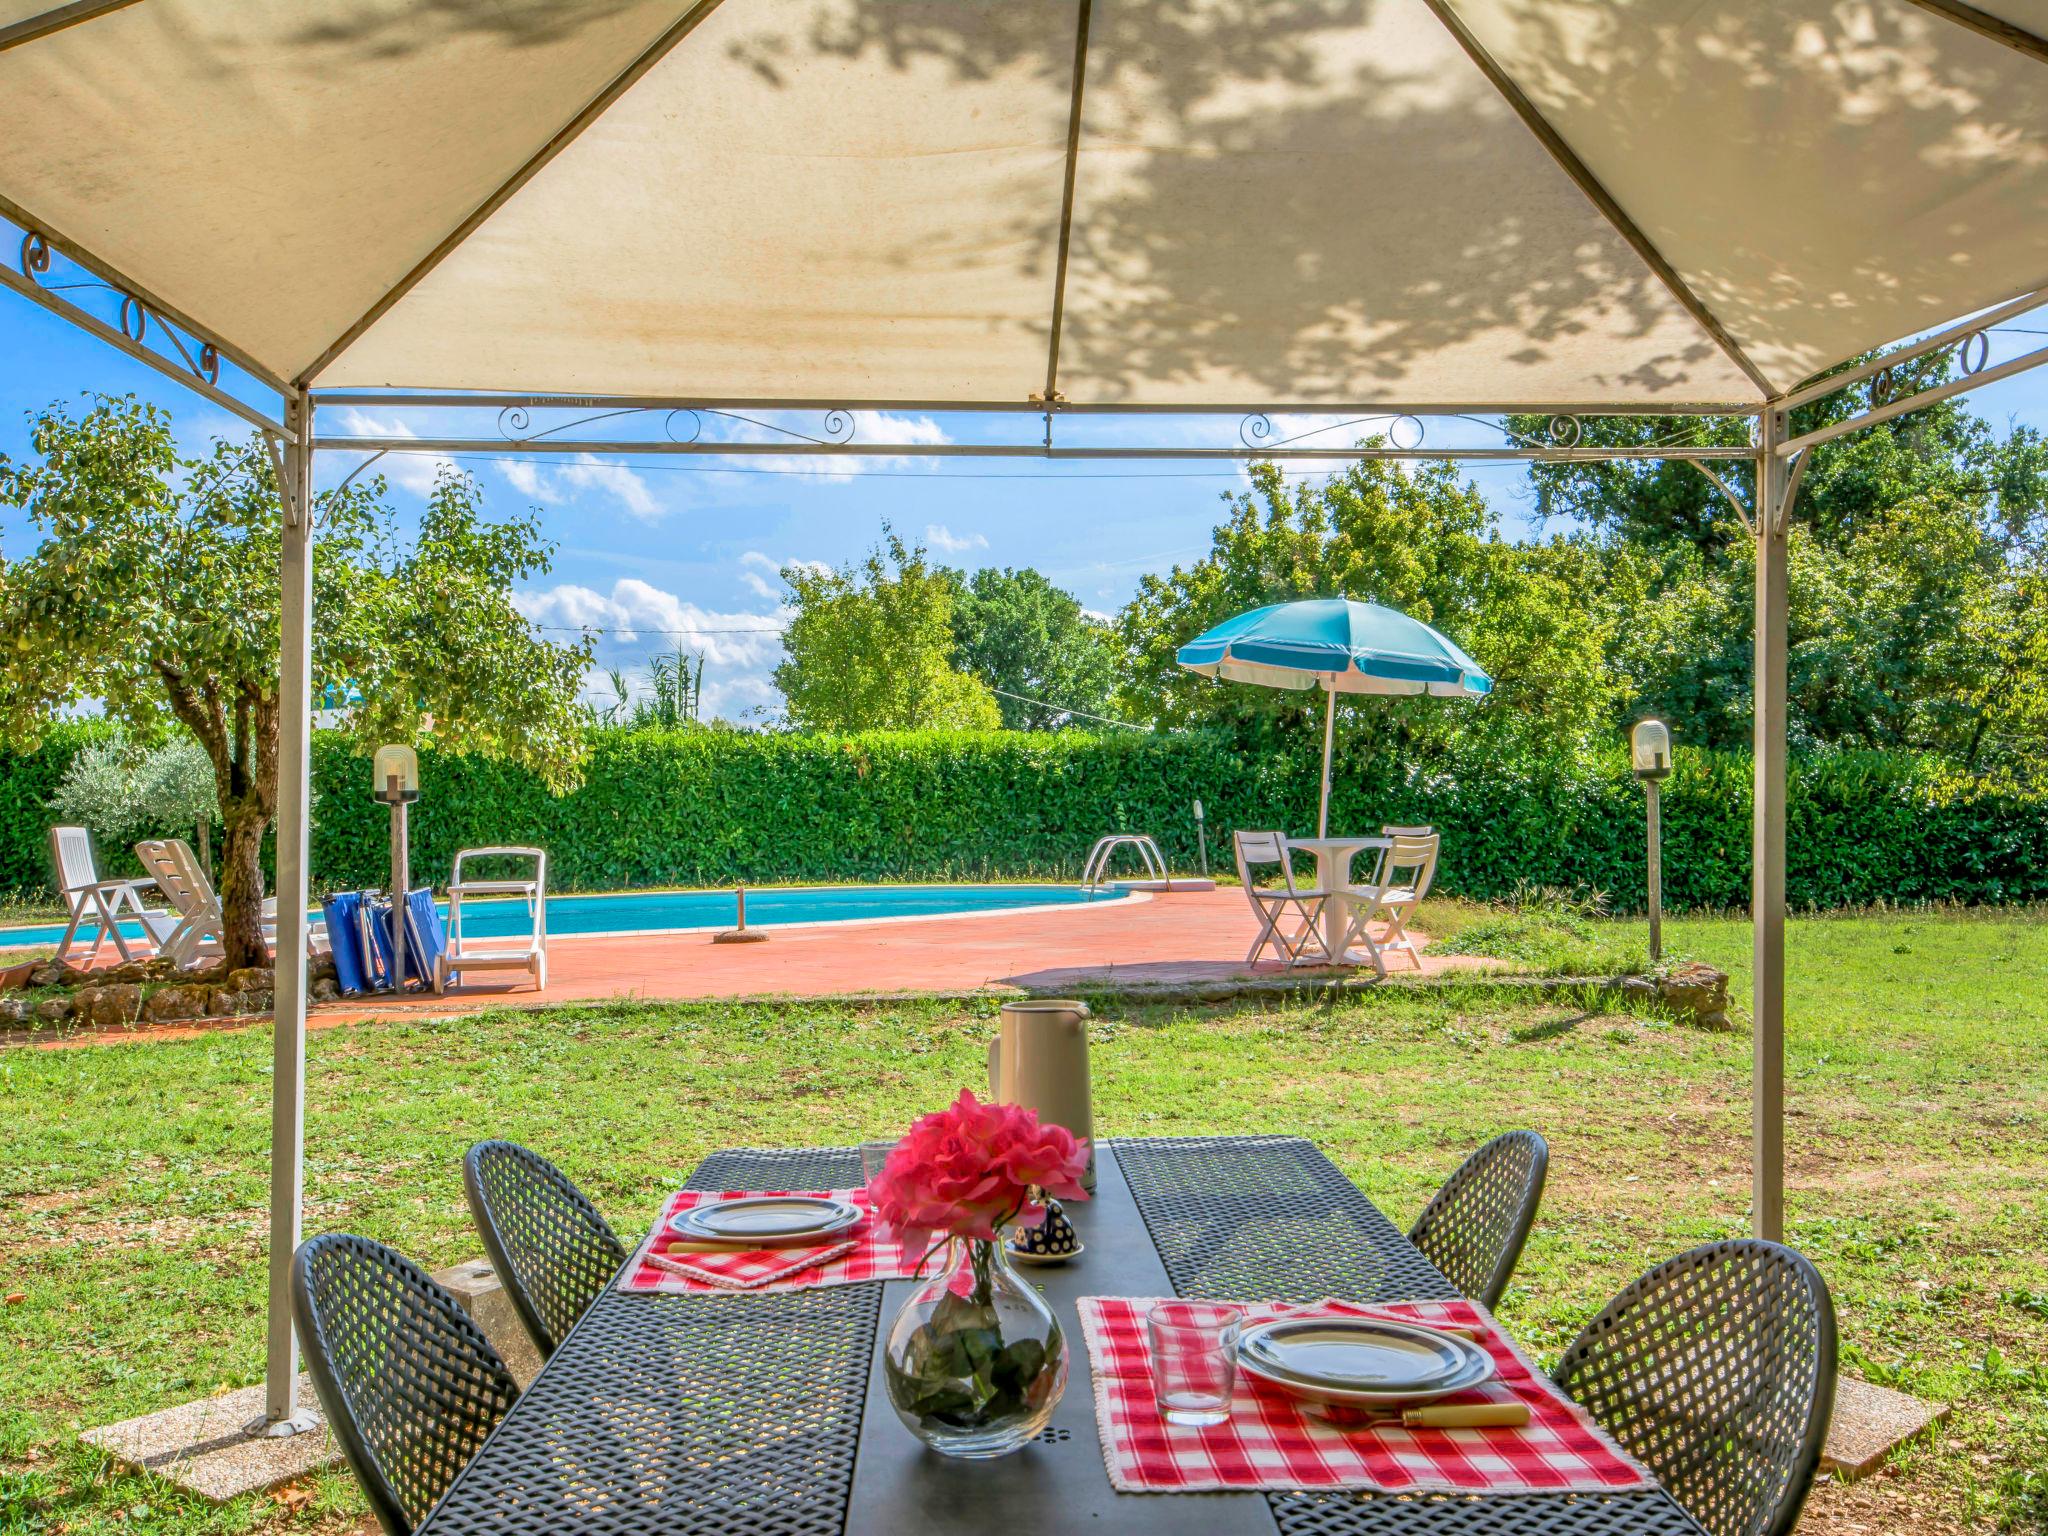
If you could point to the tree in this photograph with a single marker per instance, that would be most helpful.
(1421, 542)
(126, 792)
(1903, 530)
(1030, 640)
(871, 646)
(155, 591)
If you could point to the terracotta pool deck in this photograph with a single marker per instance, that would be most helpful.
(1177, 940)
(1185, 942)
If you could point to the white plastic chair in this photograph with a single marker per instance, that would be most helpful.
(87, 895)
(512, 953)
(1407, 867)
(191, 932)
(1302, 945)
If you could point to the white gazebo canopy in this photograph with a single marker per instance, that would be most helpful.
(1356, 206)
(1199, 202)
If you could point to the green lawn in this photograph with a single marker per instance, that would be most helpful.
(132, 1176)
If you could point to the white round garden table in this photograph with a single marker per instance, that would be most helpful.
(1333, 875)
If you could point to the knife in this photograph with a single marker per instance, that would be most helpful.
(1450, 1416)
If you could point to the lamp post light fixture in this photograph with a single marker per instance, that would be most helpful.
(1650, 755)
(395, 780)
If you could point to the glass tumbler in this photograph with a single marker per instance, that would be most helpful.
(1194, 1359)
(873, 1154)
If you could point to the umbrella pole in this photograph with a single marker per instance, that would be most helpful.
(1329, 731)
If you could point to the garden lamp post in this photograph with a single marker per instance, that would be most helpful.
(395, 780)
(1650, 752)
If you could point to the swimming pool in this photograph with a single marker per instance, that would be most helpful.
(673, 911)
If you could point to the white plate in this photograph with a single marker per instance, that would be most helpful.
(1019, 1256)
(766, 1221)
(1361, 1361)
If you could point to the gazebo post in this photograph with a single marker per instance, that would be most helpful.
(1767, 887)
(281, 1413)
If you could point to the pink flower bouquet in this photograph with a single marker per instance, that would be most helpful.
(975, 1361)
(970, 1170)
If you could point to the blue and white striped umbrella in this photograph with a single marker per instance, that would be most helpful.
(1340, 646)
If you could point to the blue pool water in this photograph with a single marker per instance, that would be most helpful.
(663, 911)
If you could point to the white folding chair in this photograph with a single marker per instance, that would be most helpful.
(1302, 944)
(87, 895)
(1407, 866)
(511, 953)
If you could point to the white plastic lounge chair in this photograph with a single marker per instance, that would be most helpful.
(192, 931)
(1406, 868)
(1301, 944)
(87, 895)
(193, 934)
(508, 953)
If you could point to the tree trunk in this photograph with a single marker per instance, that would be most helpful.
(243, 824)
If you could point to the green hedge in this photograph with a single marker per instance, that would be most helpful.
(698, 807)
(27, 781)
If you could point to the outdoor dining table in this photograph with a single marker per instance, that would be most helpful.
(1333, 875)
(718, 1415)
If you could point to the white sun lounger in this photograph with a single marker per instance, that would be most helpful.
(191, 933)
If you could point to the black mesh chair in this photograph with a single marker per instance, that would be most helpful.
(409, 1384)
(1717, 1371)
(544, 1238)
(1474, 1229)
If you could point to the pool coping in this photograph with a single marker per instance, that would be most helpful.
(1103, 899)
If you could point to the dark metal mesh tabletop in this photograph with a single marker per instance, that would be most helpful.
(740, 1415)
(689, 1415)
(1272, 1217)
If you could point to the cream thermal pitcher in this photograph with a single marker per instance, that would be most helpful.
(1039, 1059)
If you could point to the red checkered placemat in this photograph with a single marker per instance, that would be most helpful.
(1271, 1441)
(870, 1251)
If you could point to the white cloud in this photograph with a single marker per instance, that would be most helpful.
(876, 427)
(616, 481)
(523, 478)
(940, 537)
(635, 617)
(413, 472)
(635, 621)
(585, 472)
(762, 574)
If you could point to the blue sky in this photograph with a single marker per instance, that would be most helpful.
(674, 544)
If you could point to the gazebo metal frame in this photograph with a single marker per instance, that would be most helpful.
(154, 333)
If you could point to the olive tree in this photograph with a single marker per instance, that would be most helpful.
(155, 591)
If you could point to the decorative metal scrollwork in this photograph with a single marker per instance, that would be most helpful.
(1882, 383)
(1255, 430)
(1564, 431)
(515, 424)
(836, 427)
(133, 317)
(1973, 352)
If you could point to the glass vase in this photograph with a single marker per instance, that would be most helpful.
(976, 1360)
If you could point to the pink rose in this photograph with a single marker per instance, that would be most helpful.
(968, 1170)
